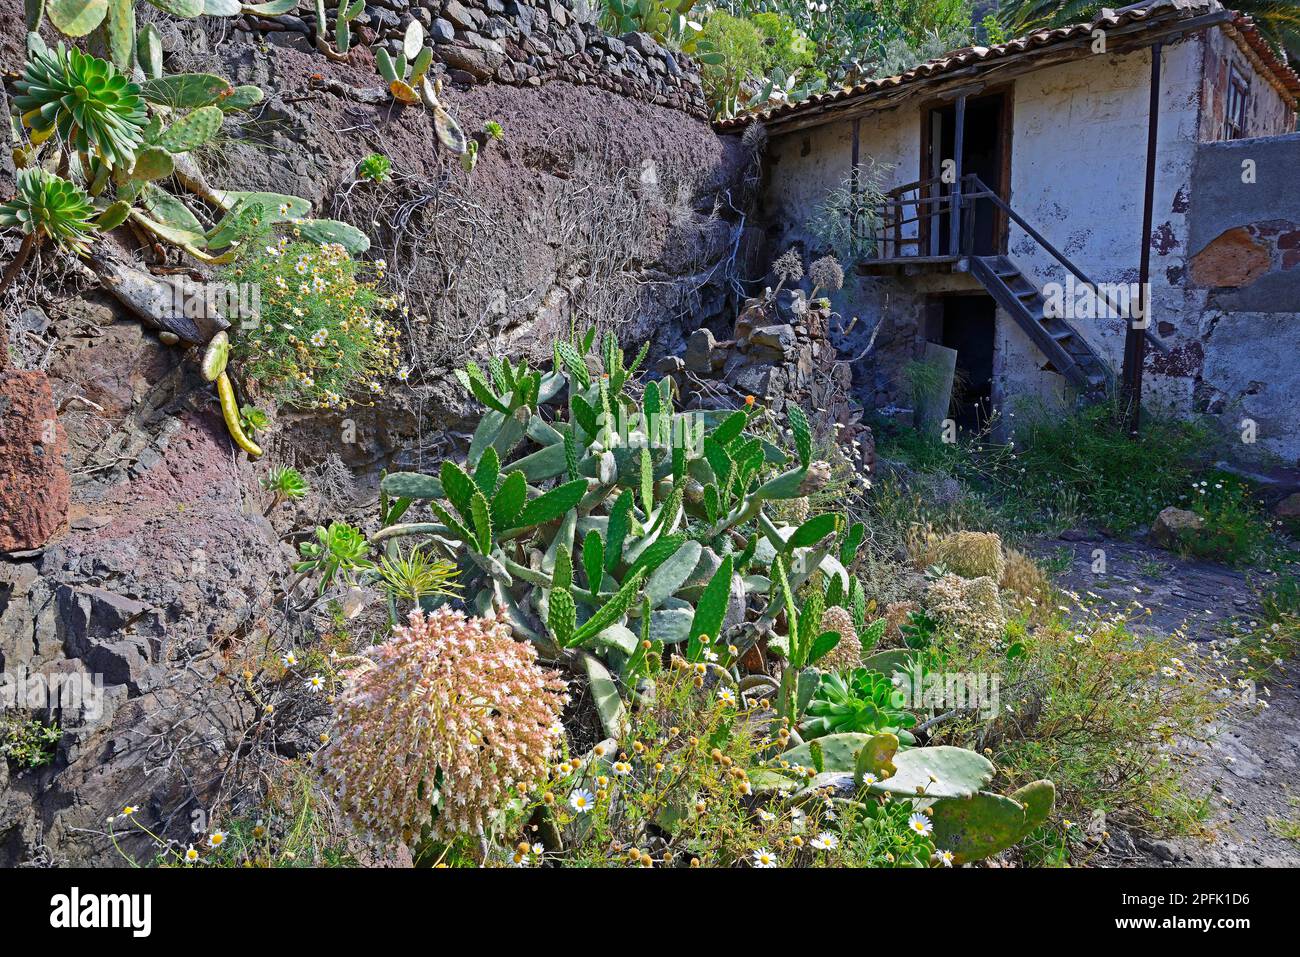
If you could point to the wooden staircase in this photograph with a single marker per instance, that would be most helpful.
(1066, 349)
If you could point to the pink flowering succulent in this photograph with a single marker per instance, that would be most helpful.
(448, 721)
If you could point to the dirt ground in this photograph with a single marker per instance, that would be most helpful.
(1251, 770)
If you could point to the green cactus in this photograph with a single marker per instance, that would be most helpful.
(985, 824)
(348, 10)
(406, 74)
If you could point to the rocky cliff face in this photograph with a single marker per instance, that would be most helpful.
(608, 200)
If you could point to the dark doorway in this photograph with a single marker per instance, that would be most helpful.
(985, 152)
(968, 327)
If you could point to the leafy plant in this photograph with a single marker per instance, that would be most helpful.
(46, 207)
(285, 483)
(27, 742)
(406, 73)
(348, 10)
(1236, 527)
(338, 551)
(376, 168)
(863, 701)
(668, 21)
(846, 220)
(413, 576)
(253, 419)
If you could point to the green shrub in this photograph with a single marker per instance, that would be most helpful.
(321, 335)
(741, 54)
(1099, 709)
(1236, 528)
(27, 742)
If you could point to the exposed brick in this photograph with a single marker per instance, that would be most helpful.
(1233, 258)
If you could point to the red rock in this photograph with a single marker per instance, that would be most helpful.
(34, 485)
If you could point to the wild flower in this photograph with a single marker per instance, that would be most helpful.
(450, 719)
(825, 841)
(319, 336)
(764, 858)
(582, 800)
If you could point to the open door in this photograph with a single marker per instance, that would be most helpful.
(986, 151)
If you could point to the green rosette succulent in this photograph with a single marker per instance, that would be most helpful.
(49, 206)
(93, 107)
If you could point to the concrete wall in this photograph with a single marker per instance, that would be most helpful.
(1243, 248)
(1078, 175)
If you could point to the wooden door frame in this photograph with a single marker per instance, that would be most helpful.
(1007, 91)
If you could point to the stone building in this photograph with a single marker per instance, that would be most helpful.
(1043, 143)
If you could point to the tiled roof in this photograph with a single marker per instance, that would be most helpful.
(1159, 12)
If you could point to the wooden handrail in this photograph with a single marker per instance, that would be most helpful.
(985, 193)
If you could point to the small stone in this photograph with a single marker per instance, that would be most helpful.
(1172, 526)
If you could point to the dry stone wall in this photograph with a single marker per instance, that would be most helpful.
(527, 43)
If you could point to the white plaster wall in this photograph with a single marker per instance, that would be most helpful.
(1078, 174)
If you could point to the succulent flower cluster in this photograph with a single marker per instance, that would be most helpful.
(47, 205)
(453, 716)
(788, 267)
(827, 275)
(84, 98)
(971, 607)
(847, 653)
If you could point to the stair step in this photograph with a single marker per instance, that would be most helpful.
(1027, 294)
(1062, 336)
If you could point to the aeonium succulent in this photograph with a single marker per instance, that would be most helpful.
(93, 107)
(48, 206)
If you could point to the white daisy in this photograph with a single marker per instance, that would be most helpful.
(764, 858)
(582, 800)
(920, 824)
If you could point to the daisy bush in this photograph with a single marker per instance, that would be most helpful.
(324, 334)
(1106, 709)
(677, 790)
